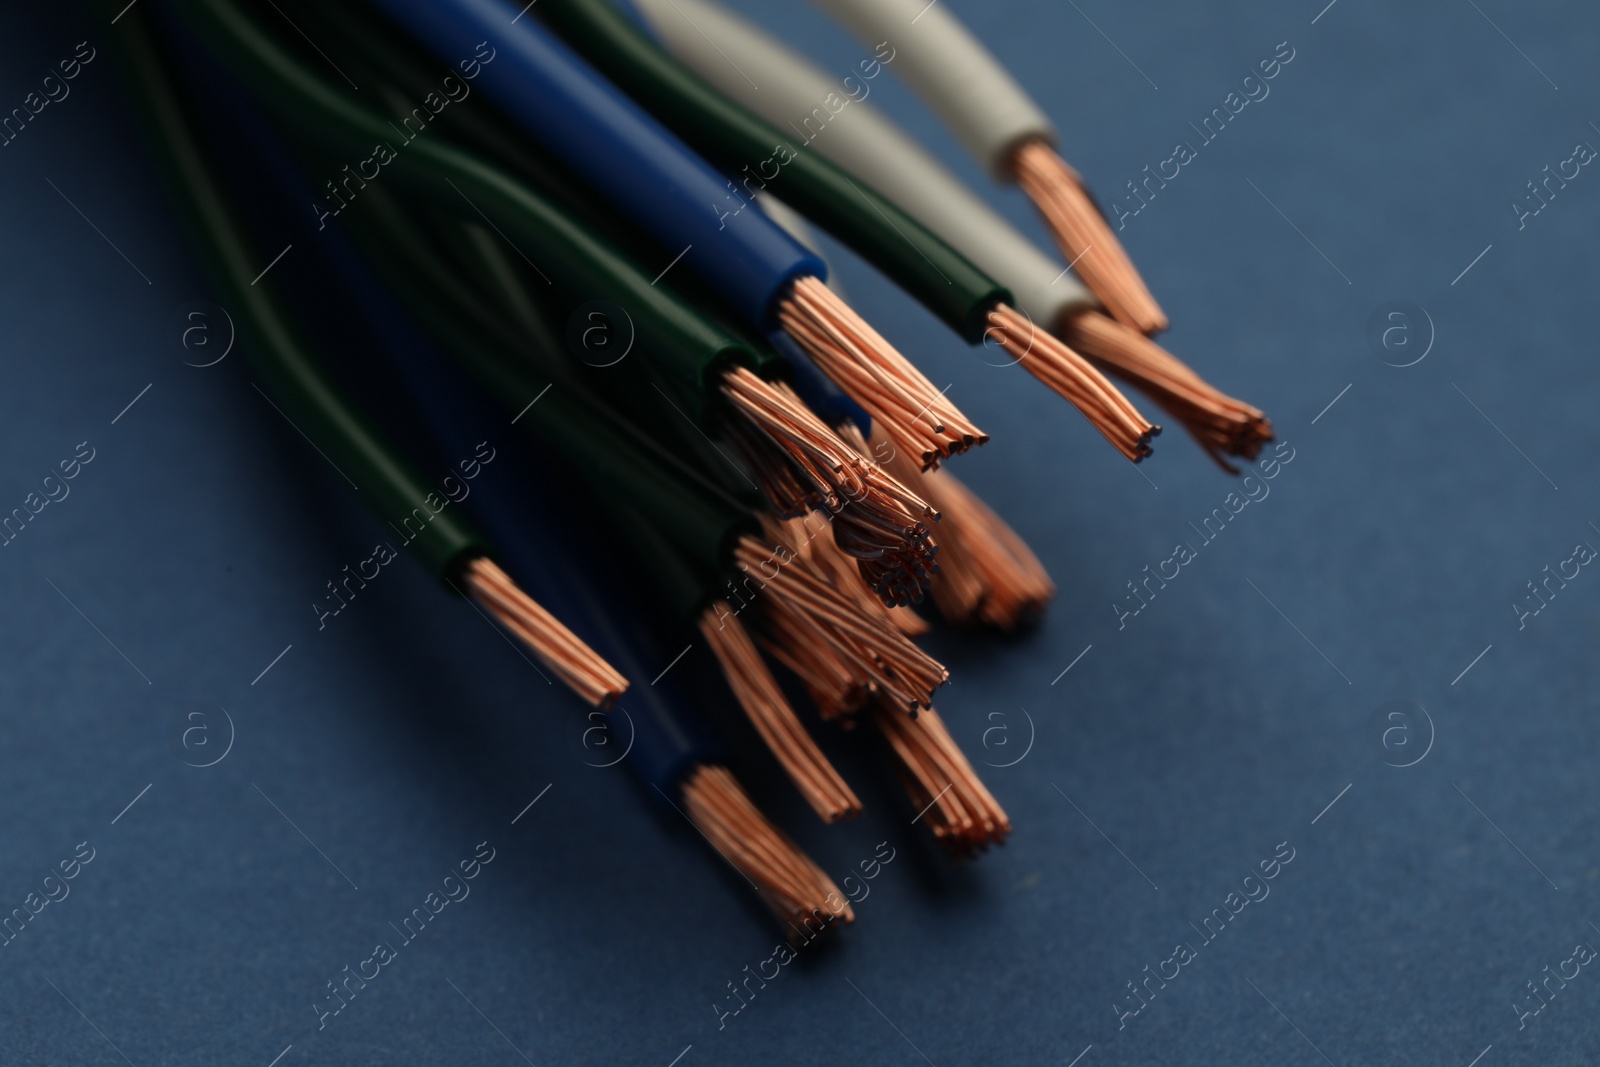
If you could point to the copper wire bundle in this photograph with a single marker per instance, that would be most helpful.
(1222, 425)
(773, 717)
(575, 663)
(827, 557)
(812, 626)
(1075, 379)
(788, 492)
(918, 417)
(795, 888)
(1084, 236)
(987, 574)
(876, 519)
(962, 813)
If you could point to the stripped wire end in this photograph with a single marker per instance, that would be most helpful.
(774, 718)
(1074, 379)
(795, 888)
(827, 557)
(1222, 425)
(841, 653)
(919, 417)
(987, 574)
(964, 816)
(1084, 236)
(577, 665)
(876, 519)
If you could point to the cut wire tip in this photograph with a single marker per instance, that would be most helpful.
(804, 466)
(842, 654)
(1222, 425)
(987, 573)
(920, 418)
(577, 665)
(964, 816)
(785, 878)
(774, 718)
(1075, 379)
(1085, 237)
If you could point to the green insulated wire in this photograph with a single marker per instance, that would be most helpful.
(731, 137)
(292, 374)
(692, 349)
(640, 482)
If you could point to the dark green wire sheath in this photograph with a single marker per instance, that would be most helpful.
(730, 137)
(400, 253)
(294, 377)
(623, 468)
(692, 349)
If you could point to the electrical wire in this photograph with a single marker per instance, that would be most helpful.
(445, 542)
(987, 574)
(964, 816)
(688, 346)
(646, 172)
(667, 747)
(796, 607)
(870, 145)
(899, 244)
(1007, 133)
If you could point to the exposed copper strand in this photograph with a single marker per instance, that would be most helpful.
(849, 351)
(960, 811)
(876, 520)
(1084, 236)
(987, 573)
(790, 884)
(1222, 425)
(804, 611)
(773, 717)
(1075, 379)
(574, 662)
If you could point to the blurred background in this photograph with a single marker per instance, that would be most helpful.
(1350, 685)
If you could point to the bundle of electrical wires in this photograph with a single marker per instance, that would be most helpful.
(537, 219)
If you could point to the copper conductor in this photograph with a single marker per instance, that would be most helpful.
(918, 417)
(794, 888)
(841, 569)
(774, 719)
(876, 519)
(963, 815)
(557, 647)
(987, 574)
(841, 653)
(1084, 236)
(1075, 379)
(1223, 426)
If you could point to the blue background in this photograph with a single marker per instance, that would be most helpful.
(1191, 743)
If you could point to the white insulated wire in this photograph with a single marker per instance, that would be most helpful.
(954, 73)
(865, 142)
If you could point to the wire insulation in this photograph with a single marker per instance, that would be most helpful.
(953, 73)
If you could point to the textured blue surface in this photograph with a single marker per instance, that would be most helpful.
(1198, 738)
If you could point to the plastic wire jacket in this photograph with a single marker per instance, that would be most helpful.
(640, 167)
(954, 74)
(515, 371)
(866, 142)
(680, 339)
(377, 51)
(389, 65)
(691, 529)
(680, 522)
(296, 378)
(935, 274)
(240, 133)
(667, 738)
